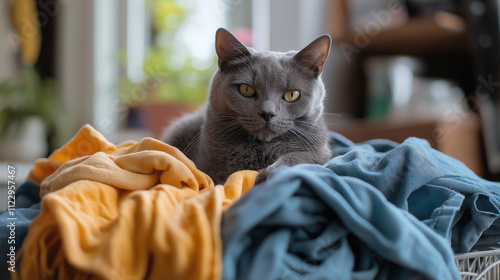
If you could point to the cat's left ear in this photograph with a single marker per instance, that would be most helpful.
(229, 49)
(314, 55)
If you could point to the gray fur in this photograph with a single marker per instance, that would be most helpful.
(233, 132)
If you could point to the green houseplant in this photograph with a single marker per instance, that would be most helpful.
(32, 120)
(175, 80)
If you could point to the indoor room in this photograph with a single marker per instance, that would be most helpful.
(259, 139)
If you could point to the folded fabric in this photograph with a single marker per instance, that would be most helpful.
(132, 211)
(437, 189)
(86, 142)
(27, 208)
(307, 222)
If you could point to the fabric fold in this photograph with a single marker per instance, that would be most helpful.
(359, 234)
(414, 170)
(378, 210)
(139, 210)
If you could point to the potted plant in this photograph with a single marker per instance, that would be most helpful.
(175, 81)
(31, 117)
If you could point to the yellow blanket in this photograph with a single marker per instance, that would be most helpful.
(132, 211)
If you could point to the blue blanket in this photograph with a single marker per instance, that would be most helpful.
(27, 208)
(437, 189)
(378, 210)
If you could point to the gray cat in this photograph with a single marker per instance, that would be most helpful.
(264, 111)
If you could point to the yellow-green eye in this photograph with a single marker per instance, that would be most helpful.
(291, 95)
(247, 90)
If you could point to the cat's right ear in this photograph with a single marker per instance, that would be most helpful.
(314, 55)
(229, 49)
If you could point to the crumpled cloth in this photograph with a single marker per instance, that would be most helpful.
(133, 211)
(307, 222)
(282, 225)
(378, 210)
(437, 189)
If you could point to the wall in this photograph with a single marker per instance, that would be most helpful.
(296, 23)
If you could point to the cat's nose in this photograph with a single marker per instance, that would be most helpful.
(268, 110)
(266, 115)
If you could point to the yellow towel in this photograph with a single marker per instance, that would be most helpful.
(133, 211)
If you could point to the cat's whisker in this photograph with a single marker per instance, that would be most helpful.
(332, 124)
(328, 124)
(334, 114)
(221, 130)
(311, 137)
(309, 124)
(301, 137)
(214, 130)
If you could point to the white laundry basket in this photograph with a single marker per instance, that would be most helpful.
(482, 264)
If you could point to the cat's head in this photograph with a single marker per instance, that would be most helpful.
(267, 93)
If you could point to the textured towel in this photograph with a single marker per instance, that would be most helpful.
(333, 222)
(437, 189)
(307, 222)
(132, 211)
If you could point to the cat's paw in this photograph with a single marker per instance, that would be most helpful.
(261, 177)
(264, 173)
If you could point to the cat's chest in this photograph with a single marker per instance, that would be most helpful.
(247, 154)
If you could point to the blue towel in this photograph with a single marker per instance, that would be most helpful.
(306, 222)
(437, 189)
(378, 210)
(14, 224)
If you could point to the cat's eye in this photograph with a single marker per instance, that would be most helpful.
(247, 90)
(291, 95)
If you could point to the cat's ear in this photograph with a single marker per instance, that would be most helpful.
(229, 49)
(314, 55)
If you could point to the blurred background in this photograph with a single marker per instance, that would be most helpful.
(425, 68)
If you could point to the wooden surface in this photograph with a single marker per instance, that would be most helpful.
(419, 36)
(442, 32)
